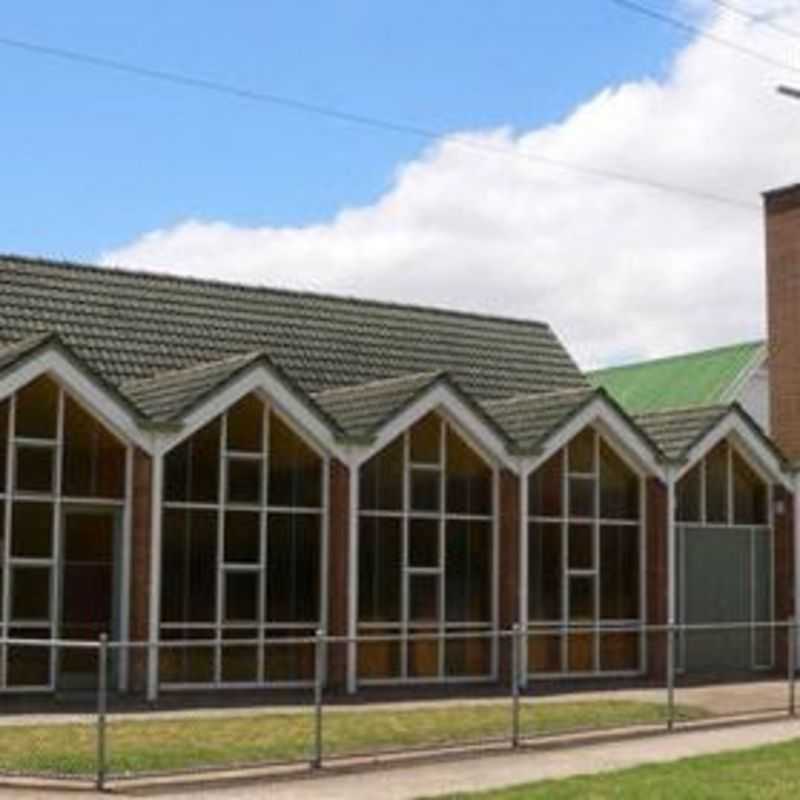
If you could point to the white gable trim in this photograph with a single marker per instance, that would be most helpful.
(115, 415)
(467, 423)
(753, 448)
(619, 432)
(266, 382)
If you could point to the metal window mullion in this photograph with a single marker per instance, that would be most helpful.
(495, 605)
(729, 506)
(263, 532)
(641, 532)
(127, 532)
(324, 546)
(771, 539)
(703, 503)
(222, 500)
(57, 570)
(596, 553)
(565, 610)
(405, 587)
(752, 538)
(5, 599)
(442, 583)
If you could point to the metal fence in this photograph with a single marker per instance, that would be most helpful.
(117, 742)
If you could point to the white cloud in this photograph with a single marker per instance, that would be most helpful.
(620, 271)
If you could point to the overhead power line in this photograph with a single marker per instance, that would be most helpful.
(757, 19)
(687, 27)
(376, 123)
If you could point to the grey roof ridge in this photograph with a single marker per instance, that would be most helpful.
(39, 342)
(167, 276)
(351, 387)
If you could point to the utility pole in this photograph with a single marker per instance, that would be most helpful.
(789, 92)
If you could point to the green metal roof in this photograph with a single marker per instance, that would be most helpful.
(693, 380)
(134, 325)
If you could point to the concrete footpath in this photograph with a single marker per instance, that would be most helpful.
(476, 772)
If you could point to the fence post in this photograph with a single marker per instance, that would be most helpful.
(791, 640)
(102, 706)
(515, 659)
(319, 665)
(670, 675)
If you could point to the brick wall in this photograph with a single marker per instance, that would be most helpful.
(140, 562)
(783, 301)
(656, 575)
(509, 563)
(338, 570)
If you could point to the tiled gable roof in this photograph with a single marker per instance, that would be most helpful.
(527, 420)
(676, 431)
(133, 325)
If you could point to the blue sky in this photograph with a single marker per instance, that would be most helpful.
(93, 159)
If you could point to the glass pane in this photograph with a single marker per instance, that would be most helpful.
(687, 495)
(293, 568)
(242, 537)
(544, 651)
(295, 470)
(423, 598)
(619, 572)
(580, 652)
(619, 487)
(288, 662)
(423, 655)
(750, 494)
(426, 440)
(93, 460)
(619, 652)
(581, 497)
(191, 470)
(37, 409)
(30, 594)
(189, 551)
(545, 488)
(581, 599)
(379, 569)
(717, 484)
(469, 479)
(35, 469)
(580, 452)
(4, 435)
(467, 657)
(186, 664)
(545, 570)
(423, 543)
(468, 571)
(379, 659)
(381, 479)
(32, 530)
(244, 481)
(29, 666)
(245, 425)
(239, 662)
(425, 485)
(241, 597)
(581, 546)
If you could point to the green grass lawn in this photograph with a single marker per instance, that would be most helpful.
(765, 773)
(144, 746)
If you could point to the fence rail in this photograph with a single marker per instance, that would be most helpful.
(522, 694)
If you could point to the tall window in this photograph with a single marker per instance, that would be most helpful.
(426, 557)
(242, 550)
(721, 502)
(584, 560)
(54, 458)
